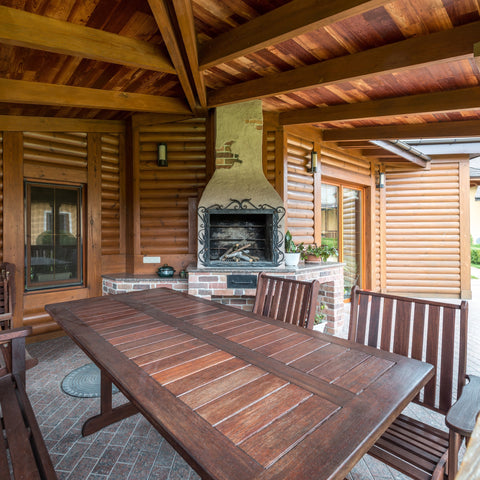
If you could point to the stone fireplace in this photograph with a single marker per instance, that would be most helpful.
(240, 215)
(240, 234)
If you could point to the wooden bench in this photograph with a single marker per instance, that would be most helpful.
(23, 453)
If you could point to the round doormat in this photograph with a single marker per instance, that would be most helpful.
(84, 382)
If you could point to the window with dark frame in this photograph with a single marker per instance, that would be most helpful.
(53, 235)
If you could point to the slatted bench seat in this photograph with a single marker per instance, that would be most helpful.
(23, 454)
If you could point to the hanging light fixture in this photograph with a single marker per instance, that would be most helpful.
(162, 158)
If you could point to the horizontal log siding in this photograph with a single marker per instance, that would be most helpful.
(269, 160)
(1, 196)
(59, 150)
(164, 191)
(377, 267)
(349, 163)
(300, 191)
(110, 194)
(423, 231)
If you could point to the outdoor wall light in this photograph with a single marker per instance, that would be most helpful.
(313, 162)
(162, 158)
(381, 179)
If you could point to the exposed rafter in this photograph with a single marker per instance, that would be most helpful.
(456, 100)
(25, 29)
(464, 128)
(186, 23)
(19, 91)
(448, 45)
(283, 23)
(162, 16)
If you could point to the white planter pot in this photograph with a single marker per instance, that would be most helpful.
(321, 327)
(292, 259)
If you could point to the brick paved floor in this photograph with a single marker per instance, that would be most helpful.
(132, 449)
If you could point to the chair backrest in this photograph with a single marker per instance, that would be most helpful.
(288, 300)
(7, 296)
(430, 331)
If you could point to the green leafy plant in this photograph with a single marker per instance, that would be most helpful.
(320, 317)
(322, 251)
(291, 246)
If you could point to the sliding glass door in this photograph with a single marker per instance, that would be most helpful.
(342, 228)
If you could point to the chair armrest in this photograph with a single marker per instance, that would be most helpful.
(463, 413)
(6, 335)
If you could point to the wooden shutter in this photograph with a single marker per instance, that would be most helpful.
(423, 231)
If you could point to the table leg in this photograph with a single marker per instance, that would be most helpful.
(108, 414)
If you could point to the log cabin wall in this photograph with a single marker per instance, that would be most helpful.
(64, 157)
(166, 197)
(427, 231)
(1, 196)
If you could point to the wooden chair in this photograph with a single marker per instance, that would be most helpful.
(7, 305)
(434, 332)
(288, 300)
(23, 453)
(7, 294)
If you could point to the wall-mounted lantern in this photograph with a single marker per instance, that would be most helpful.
(313, 162)
(380, 179)
(162, 158)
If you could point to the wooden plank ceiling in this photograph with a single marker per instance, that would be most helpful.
(357, 69)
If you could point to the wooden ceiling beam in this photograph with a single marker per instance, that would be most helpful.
(436, 102)
(161, 12)
(17, 123)
(448, 45)
(36, 93)
(465, 128)
(23, 29)
(186, 23)
(283, 23)
(476, 54)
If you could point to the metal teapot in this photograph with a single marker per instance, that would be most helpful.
(166, 271)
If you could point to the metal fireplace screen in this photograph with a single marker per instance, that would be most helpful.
(239, 237)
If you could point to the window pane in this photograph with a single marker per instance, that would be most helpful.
(53, 235)
(330, 221)
(352, 238)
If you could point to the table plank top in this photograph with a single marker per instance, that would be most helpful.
(238, 395)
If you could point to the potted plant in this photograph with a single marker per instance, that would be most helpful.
(315, 253)
(292, 251)
(320, 319)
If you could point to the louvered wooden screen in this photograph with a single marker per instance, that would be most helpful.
(300, 191)
(164, 191)
(111, 242)
(1, 196)
(423, 231)
(269, 160)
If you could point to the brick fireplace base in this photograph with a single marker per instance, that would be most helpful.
(211, 283)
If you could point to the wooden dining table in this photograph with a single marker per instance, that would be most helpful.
(239, 396)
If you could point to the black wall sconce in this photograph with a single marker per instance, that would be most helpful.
(162, 157)
(381, 179)
(313, 162)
